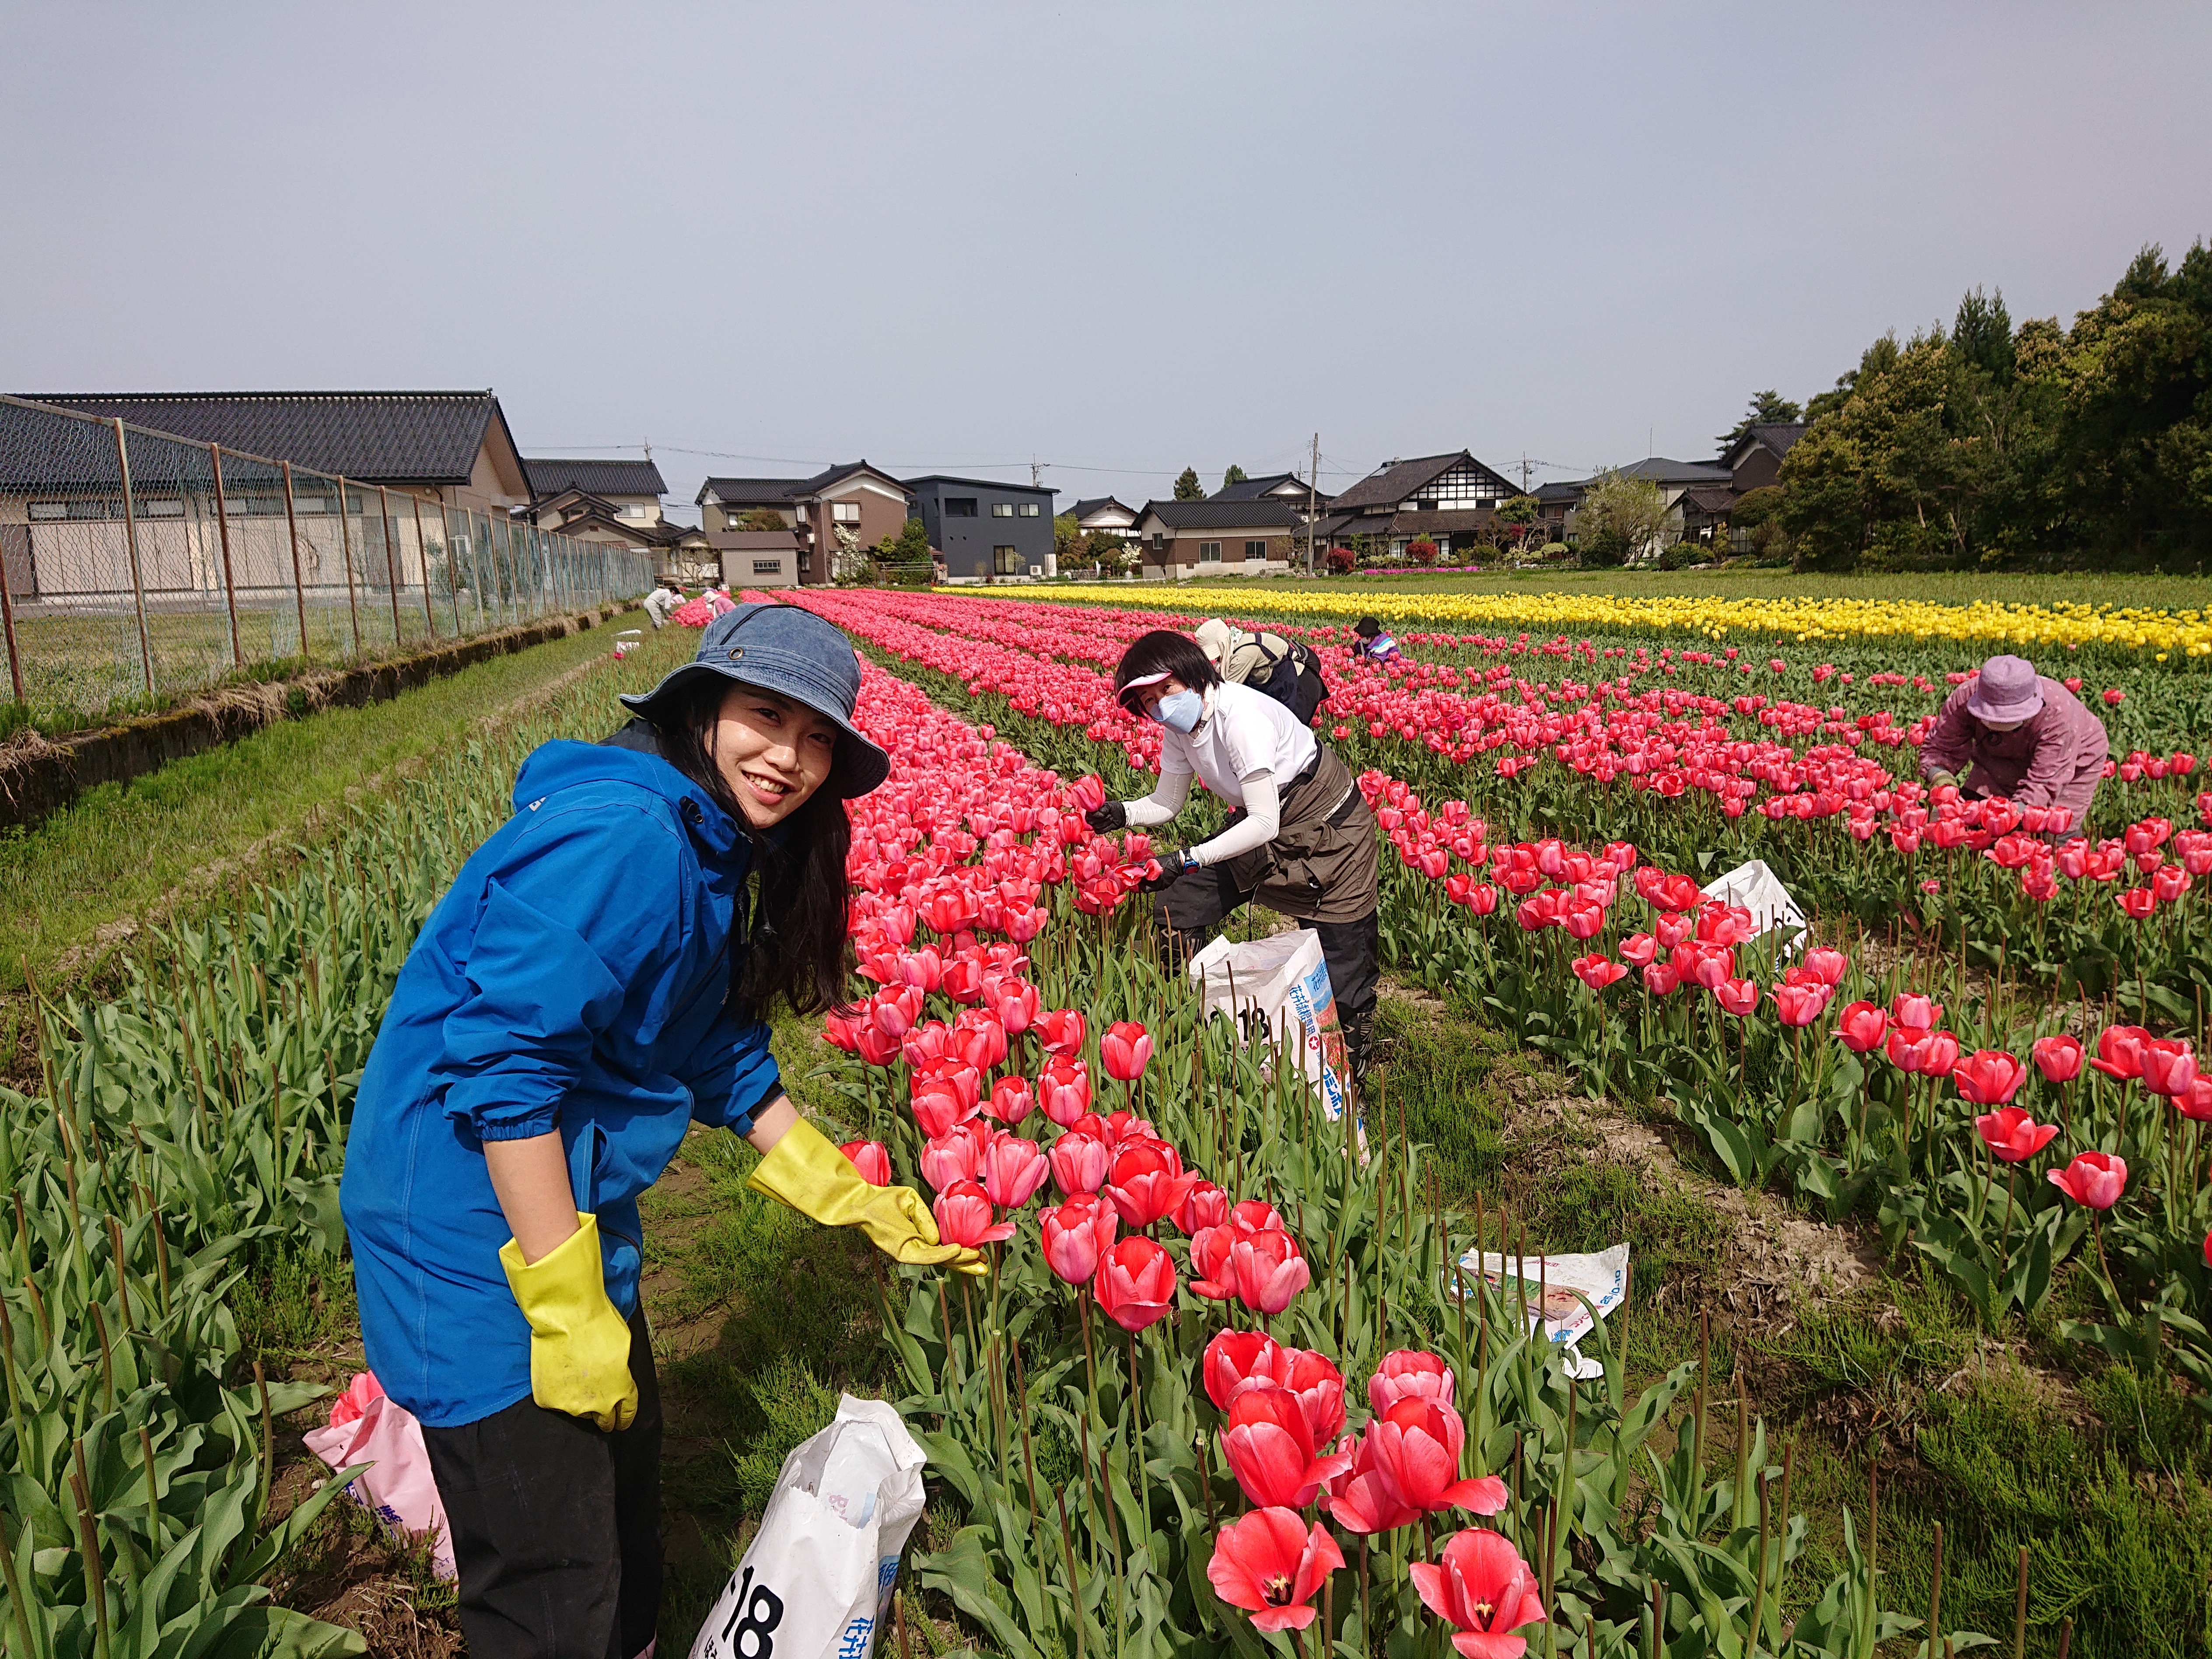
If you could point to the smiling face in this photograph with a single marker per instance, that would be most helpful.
(773, 752)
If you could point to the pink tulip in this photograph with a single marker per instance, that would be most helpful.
(1135, 1283)
(2058, 1058)
(1010, 1100)
(2168, 1066)
(1235, 1360)
(963, 1217)
(2011, 1135)
(1800, 1005)
(2119, 1051)
(1013, 1169)
(979, 1039)
(871, 1159)
(1270, 1563)
(1063, 1089)
(1212, 1255)
(1737, 996)
(1315, 1379)
(1125, 1049)
(1908, 1047)
(1076, 1235)
(1080, 1164)
(1408, 1374)
(938, 1110)
(1270, 1272)
(1828, 966)
(2196, 1104)
(1204, 1205)
(957, 1155)
(1909, 1008)
(1146, 1182)
(1483, 1588)
(2096, 1179)
(1360, 1500)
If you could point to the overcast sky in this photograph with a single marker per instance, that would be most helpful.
(1117, 238)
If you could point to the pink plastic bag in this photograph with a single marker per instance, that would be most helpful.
(367, 1426)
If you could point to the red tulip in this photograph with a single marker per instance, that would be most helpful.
(1270, 1565)
(2196, 1104)
(2058, 1058)
(1079, 1162)
(1255, 1215)
(1315, 1379)
(1063, 1089)
(2168, 1066)
(1908, 1046)
(1942, 1054)
(2137, 902)
(1135, 1283)
(1204, 1205)
(2096, 1179)
(1484, 1588)
(1638, 950)
(1417, 1451)
(1268, 1443)
(1076, 1235)
(1013, 1169)
(939, 1109)
(1360, 1500)
(1989, 1077)
(1598, 971)
(1212, 1256)
(1659, 979)
(2012, 1134)
(2119, 1051)
(1408, 1374)
(1737, 996)
(1909, 1008)
(1010, 1100)
(2207, 1250)
(895, 1012)
(873, 1044)
(1235, 1360)
(1012, 1002)
(871, 1159)
(1269, 1271)
(1861, 1026)
(1146, 1182)
(1061, 1032)
(979, 1039)
(964, 1216)
(1087, 795)
(1124, 1049)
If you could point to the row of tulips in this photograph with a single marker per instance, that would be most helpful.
(1693, 777)
(1248, 1258)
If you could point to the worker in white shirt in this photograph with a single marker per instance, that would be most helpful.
(1300, 839)
(662, 601)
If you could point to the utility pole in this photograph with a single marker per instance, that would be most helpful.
(1034, 478)
(1524, 472)
(1313, 495)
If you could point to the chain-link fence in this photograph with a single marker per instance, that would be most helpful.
(136, 565)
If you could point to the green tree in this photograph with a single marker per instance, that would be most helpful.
(1767, 408)
(1981, 334)
(1236, 475)
(761, 518)
(1620, 519)
(1067, 536)
(1517, 515)
(1188, 488)
(904, 559)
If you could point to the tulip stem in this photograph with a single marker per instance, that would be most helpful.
(1141, 1484)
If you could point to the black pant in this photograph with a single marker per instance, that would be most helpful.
(556, 1525)
(1198, 901)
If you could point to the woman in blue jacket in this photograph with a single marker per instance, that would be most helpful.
(593, 985)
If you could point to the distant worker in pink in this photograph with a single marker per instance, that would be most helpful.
(2011, 732)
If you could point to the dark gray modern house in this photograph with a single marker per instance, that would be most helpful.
(986, 531)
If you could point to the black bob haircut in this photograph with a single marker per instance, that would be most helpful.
(797, 950)
(1162, 651)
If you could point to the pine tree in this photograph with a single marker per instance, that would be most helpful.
(1188, 488)
(1236, 475)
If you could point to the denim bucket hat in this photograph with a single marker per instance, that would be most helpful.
(781, 648)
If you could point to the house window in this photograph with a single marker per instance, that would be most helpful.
(1256, 550)
(1008, 559)
(1159, 542)
(633, 509)
(768, 567)
(845, 511)
(1002, 509)
(1030, 510)
(42, 510)
(1209, 552)
(960, 507)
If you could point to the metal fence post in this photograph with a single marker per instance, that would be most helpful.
(222, 534)
(422, 555)
(299, 582)
(8, 623)
(130, 539)
(390, 565)
(345, 551)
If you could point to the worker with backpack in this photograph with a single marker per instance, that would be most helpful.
(1289, 671)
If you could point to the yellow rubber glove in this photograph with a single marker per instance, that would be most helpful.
(579, 1344)
(805, 1172)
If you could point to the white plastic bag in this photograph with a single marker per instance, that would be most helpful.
(1760, 891)
(369, 1426)
(818, 1576)
(1278, 985)
(1602, 1278)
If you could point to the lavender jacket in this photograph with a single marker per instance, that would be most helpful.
(2055, 759)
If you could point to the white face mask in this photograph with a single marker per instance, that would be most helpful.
(1180, 711)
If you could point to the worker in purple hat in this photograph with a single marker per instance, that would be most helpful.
(2009, 730)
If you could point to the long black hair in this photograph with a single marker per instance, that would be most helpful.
(1162, 651)
(798, 946)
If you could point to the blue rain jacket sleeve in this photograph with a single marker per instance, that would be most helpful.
(731, 1074)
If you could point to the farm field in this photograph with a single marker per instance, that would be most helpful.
(1876, 1368)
